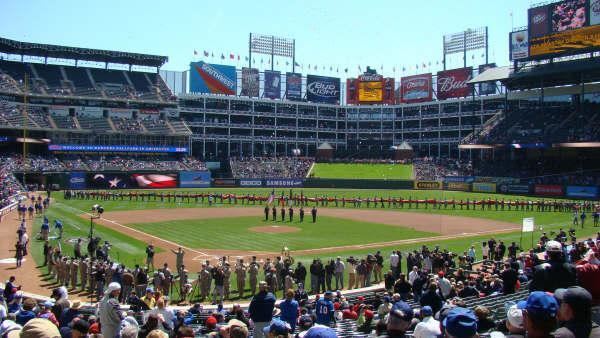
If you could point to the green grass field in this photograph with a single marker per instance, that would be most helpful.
(233, 233)
(363, 171)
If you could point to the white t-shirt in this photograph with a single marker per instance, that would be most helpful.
(428, 328)
(485, 250)
(394, 260)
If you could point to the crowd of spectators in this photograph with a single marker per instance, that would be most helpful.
(9, 186)
(32, 162)
(436, 168)
(125, 124)
(268, 167)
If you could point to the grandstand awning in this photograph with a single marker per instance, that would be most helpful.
(555, 74)
(492, 75)
(325, 146)
(75, 53)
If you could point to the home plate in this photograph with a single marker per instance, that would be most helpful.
(10, 261)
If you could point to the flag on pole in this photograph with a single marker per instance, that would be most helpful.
(271, 197)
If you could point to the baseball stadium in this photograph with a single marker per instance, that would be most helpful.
(245, 199)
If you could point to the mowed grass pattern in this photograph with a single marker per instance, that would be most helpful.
(363, 171)
(234, 233)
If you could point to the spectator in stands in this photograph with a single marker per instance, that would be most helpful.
(575, 313)
(460, 323)
(431, 298)
(557, 273)
(110, 316)
(428, 327)
(261, 309)
(539, 314)
(289, 309)
(38, 328)
(399, 319)
(26, 314)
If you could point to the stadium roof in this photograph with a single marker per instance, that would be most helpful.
(555, 74)
(85, 54)
(492, 74)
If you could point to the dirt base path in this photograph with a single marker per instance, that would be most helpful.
(447, 226)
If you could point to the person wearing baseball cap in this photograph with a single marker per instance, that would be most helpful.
(539, 314)
(36, 328)
(320, 331)
(428, 327)
(575, 313)
(277, 328)
(460, 323)
(399, 319)
(554, 274)
(325, 310)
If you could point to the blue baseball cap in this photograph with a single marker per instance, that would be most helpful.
(277, 326)
(539, 303)
(426, 311)
(320, 332)
(461, 322)
(406, 310)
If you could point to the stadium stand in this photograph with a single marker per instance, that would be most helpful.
(260, 167)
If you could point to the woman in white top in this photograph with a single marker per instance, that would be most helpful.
(485, 250)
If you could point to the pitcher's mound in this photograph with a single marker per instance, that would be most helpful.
(274, 229)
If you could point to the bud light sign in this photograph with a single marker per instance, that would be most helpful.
(453, 83)
(323, 89)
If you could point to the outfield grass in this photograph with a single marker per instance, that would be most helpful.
(234, 233)
(363, 171)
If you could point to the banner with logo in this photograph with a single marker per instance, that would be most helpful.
(428, 185)
(577, 191)
(224, 182)
(459, 179)
(250, 82)
(251, 183)
(212, 79)
(283, 183)
(154, 181)
(458, 186)
(323, 89)
(77, 181)
(194, 179)
(389, 90)
(484, 187)
(416, 88)
(272, 86)
(351, 91)
(519, 45)
(577, 40)
(293, 86)
(108, 181)
(548, 190)
(370, 88)
(514, 188)
(594, 12)
(453, 83)
(539, 21)
(487, 88)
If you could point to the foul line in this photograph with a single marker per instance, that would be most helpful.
(142, 233)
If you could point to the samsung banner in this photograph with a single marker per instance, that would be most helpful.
(283, 183)
(77, 181)
(293, 86)
(577, 191)
(272, 87)
(212, 79)
(323, 89)
(194, 179)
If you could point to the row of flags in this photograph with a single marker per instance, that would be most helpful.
(232, 56)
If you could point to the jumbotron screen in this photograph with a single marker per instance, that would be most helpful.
(370, 91)
(563, 28)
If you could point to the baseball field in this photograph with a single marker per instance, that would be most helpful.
(240, 230)
(363, 171)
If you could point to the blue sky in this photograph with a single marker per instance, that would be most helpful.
(331, 34)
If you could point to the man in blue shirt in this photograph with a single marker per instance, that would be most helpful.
(324, 309)
(289, 309)
(261, 309)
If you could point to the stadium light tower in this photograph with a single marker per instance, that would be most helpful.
(271, 45)
(470, 39)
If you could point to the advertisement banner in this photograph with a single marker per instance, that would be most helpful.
(125, 181)
(484, 187)
(578, 191)
(120, 149)
(428, 185)
(457, 186)
(579, 40)
(370, 92)
(568, 14)
(293, 86)
(250, 82)
(154, 181)
(519, 45)
(212, 79)
(251, 183)
(548, 190)
(284, 183)
(594, 12)
(459, 179)
(539, 21)
(77, 181)
(514, 188)
(487, 88)
(453, 83)
(416, 88)
(108, 181)
(351, 91)
(323, 89)
(194, 179)
(389, 90)
(272, 88)
(224, 182)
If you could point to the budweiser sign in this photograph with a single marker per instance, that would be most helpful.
(453, 83)
(416, 88)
